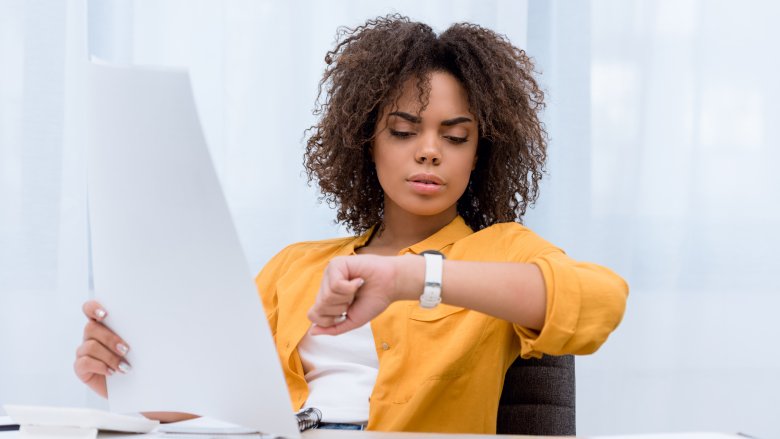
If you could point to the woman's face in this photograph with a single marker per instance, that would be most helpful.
(424, 159)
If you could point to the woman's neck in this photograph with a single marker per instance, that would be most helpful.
(401, 229)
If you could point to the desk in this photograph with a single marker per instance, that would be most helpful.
(337, 434)
(333, 434)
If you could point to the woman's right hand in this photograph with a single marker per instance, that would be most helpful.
(101, 353)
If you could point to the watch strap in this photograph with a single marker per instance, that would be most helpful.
(434, 264)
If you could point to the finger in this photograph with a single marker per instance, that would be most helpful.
(340, 292)
(330, 306)
(323, 314)
(342, 285)
(109, 339)
(335, 329)
(330, 310)
(86, 367)
(94, 310)
(325, 320)
(340, 318)
(94, 349)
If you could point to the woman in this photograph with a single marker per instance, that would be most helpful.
(426, 143)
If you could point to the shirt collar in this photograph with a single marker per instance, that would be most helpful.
(361, 240)
(447, 235)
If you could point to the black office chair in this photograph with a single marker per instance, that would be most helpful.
(538, 398)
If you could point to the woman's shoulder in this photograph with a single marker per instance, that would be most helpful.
(507, 227)
(510, 230)
(305, 255)
(509, 240)
(320, 246)
(325, 248)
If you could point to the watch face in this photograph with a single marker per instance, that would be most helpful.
(433, 252)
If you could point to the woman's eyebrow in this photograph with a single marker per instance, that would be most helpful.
(410, 117)
(416, 119)
(455, 121)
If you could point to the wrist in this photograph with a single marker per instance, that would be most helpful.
(410, 277)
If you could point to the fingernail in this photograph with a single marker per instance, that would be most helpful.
(100, 313)
(362, 281)
(124, 367)
(122, 349)
(111, 371)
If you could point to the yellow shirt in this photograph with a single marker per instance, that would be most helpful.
(442, 369)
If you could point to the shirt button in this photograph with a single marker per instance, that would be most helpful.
(385, 346)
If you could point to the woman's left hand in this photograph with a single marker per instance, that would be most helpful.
(362, 286)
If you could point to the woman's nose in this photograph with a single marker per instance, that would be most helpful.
(429, 151)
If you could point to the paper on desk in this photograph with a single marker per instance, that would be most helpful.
(204, 425)
(167, 263)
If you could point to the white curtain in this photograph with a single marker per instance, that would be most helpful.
(663, 166)
(43, 251)
(255, 65)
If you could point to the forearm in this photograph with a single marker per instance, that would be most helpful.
(166, 417)
(514, 292)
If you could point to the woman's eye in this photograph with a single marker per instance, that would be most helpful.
(456, 139)
(401, 133)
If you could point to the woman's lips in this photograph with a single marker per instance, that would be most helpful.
(425, 184)
(426, 177)
(425, 188)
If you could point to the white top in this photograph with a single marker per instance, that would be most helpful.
(341, 372)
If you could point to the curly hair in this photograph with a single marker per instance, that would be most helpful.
(365, 72)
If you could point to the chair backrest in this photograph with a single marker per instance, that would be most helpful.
(538, 398)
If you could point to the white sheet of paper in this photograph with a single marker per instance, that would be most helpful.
(167, 262)
(204, 425)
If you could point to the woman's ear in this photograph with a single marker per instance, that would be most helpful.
(474, 165)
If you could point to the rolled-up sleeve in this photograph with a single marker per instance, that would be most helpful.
(585, 303)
